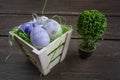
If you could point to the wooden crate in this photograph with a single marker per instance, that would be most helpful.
(46, 58)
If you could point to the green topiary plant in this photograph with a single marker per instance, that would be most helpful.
(91, 25)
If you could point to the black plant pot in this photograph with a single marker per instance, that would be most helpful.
(85, 54)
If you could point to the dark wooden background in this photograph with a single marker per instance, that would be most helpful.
(103, 65)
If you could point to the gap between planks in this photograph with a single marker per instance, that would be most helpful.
(74, 38)
(61, 13)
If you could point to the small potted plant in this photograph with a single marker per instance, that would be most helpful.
(91, 25)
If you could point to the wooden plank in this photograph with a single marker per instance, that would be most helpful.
(10, 21)
(58, 6)
(104, 64)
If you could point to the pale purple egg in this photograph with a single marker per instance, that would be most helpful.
(53, 28)
(27, 27)
(39, 37)
(41, 20)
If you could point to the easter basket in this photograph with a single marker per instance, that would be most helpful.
(47, 57)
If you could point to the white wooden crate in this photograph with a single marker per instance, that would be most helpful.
(46, 58)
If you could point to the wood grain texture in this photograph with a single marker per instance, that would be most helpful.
(10, 21)
(103, 65)
(58, 6)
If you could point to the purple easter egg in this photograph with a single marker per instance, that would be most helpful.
(53, 28)
(39, 37)
(27, 27)
(41, 20)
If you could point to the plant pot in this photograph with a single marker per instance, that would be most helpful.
(85, 54)
(46, 58)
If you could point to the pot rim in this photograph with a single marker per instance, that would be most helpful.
(87, 50)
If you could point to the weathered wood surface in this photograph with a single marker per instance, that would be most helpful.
(58, 6)
(15, 12)
(103, 65)
(10, 21)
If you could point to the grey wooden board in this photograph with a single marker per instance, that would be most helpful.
(59, 6)
(10, 21)
(102, 65)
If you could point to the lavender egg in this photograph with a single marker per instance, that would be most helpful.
(39, 37)
(27, 27)
(41, 20)
(53, 28)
